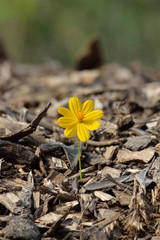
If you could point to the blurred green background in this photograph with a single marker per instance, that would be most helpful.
(41, 30)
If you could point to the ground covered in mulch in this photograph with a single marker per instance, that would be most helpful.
(41, 195)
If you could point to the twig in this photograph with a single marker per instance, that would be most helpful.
(103, 144)
(30, 117)
(76, 175)
(28, 130)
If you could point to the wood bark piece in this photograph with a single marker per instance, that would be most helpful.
(140, 132)
(106, 213)
(126, 155)
(17, 202)
(49, 219)
(93, 234)
(115, 173)
(85, 200)
(108, 130)
(70, 151)
(123, 197)
(11, 201)
(103, 196)
(36, 199)
(139, 143)
(21, 228)
(108, 183)
(110, 152)
(94, 159)
(55, 225)
(16, 153)
(57, 163)
(125, 122)
(67, 205)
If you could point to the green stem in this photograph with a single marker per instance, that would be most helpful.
(79, 151)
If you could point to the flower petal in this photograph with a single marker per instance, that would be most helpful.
(65, 122)
(71, 131)
(82, 132)
(92, 125)
(66, 112)
(87, 106)
(75, 105)
(94, 115)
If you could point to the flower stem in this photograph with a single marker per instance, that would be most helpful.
(79, 151)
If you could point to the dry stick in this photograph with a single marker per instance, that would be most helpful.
(76, 175)
(30, 117)
(28, 130)
(103, 144)
(79, 153)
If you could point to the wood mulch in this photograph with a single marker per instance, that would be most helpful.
(41, 196)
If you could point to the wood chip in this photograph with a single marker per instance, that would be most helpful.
(139, 143)
(103, 196)
(49, 219)
(122, 197)
(21, 228)
(115, 173)
(110, 152)
(106, 213)
(126, 155)
(36, 199)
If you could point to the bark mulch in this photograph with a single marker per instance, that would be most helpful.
(41, 196)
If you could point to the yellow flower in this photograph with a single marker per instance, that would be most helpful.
(80, 118)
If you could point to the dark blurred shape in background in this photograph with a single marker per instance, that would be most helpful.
(3, 53)
(91, 58)
(39, 31)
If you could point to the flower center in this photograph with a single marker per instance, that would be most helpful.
(80, 115)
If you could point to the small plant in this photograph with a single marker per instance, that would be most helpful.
(79, 118)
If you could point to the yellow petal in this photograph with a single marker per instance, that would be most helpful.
(66, 112)
(65, 122)
(94, 115)
(92, 125)
(87, 106)
(70, 132)
(75, 105)
(82, 132)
